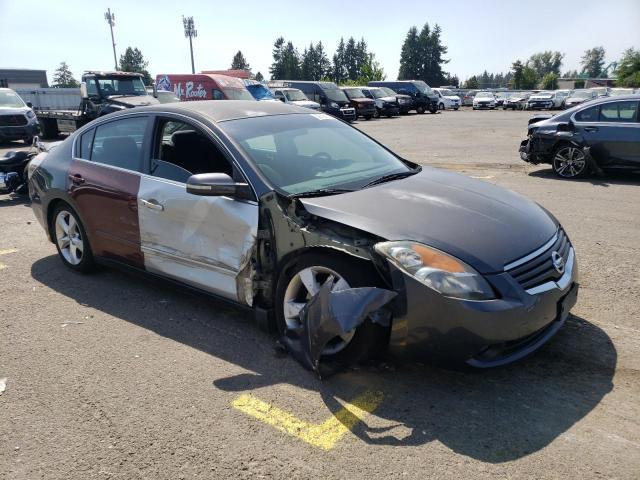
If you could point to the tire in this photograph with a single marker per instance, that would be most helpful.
(377, 114)
(420, 109)
(77, 255)
(456, 108)
(569, 162)
(368, 117)
(367, 340)
(441, 106)
(28, 140)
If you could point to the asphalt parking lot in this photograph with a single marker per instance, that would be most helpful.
(113, 376)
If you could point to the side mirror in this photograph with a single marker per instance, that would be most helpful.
(155, 90)
(83, 90)
(213, 185)
(282, 99)
(29, 104)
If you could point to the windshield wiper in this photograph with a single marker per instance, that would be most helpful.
(390, 176)
(320, 192)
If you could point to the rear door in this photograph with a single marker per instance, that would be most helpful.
(205, 242)
(103, 182)
(619, 131)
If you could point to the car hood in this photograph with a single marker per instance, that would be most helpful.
(13, 110)
(540, 97)
(389, 99)
(484, 225)
(306, 103)
(363, 101)
(483, 99)
(133, 100)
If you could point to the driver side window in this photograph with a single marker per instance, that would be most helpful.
(181, 150)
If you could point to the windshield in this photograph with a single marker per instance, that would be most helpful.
(10, 99)
(237, 94)
(353, 92)
(621, 91)
(336, 95)
(122, 86)
(423, 87)
(295, 95)
(582, 94)
(484, 95)
(379, 93)
(447, 93)
(545, 94)
(260, 92)
(302, 153)
(388, 91)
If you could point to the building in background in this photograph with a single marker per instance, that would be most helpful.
(23, 78)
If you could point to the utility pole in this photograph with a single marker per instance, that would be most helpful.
(191, 32)
(110, 18)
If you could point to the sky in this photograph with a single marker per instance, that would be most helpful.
(487, 35)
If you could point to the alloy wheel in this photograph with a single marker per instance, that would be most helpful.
(569, 162)
(69, 237)
(304, 285)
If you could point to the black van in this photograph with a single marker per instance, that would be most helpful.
(423, 97)
(332, 100)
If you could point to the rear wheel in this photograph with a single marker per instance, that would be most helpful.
(420, 109)
(441, 106)
(302, 278)
(71, 239)
(569, 161)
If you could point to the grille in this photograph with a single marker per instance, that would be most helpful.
(12, 120)
(540, 269)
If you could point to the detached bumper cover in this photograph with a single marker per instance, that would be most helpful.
(489, 333)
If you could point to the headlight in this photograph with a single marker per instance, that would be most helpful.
(437, 270)
(30, 114)
(334, 105)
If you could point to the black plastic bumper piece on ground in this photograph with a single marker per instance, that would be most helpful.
(331, 314)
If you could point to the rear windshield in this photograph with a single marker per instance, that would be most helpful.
(237, 94)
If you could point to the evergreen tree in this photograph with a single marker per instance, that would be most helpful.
(472, 83)
(322, 68)
(351, 59)
(239, 62)
(410, 56)
(133, 61)
(63, 78)
(517, 68)
(340, 73)
(593, 62)
(259, 77)
(276, 69)
(433, 73)
(290, 62)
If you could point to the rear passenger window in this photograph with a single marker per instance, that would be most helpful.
(217, 94)
(119, 143)
(618, 112)
(83, 147)
(588, 115)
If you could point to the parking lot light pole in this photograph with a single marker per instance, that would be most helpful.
(110, 18)
(191, 32)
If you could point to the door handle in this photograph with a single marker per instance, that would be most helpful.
(152, 204)
(590, 129)
(76, 179)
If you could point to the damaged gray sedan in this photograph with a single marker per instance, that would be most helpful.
(347, 247)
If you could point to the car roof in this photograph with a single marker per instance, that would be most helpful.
(222, 110)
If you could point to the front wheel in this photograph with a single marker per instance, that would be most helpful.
(71, 240)
(441, 106)
(420, 109)
(569, 161)
(302, 278)
(377, 113)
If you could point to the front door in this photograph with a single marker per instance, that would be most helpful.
(206, 242)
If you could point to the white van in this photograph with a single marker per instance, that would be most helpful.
(447, 99)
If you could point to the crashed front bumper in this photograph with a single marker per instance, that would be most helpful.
(427, 325)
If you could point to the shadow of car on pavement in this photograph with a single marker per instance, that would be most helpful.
(493, 416)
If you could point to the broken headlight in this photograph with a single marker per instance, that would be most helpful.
(437, 270)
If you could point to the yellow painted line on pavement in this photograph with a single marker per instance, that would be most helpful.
(324, 435)
(6, 252)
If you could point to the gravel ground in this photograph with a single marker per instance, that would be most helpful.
(113, 376)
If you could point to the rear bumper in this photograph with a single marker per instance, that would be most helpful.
(428, 325)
